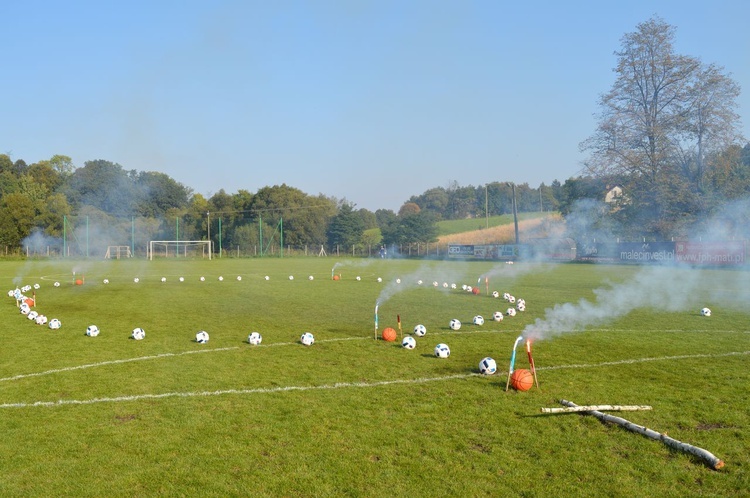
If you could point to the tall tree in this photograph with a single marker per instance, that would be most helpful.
(663, 112)
(346, 227)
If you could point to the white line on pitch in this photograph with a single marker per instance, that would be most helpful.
(339, 385)
(260, 390)
(113, 362)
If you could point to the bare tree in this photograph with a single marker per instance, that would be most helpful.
(663, 114)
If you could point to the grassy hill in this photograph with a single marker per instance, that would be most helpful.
(501, 229)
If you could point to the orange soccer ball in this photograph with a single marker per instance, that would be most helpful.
(521, 380)
(389, 334)
(335, 277)
(79, 282)
(475, 291)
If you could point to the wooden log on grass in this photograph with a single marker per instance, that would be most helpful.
(605, 408)
(715, 462)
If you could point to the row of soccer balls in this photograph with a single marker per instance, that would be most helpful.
(37, 318)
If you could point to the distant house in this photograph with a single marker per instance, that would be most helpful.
(614, 194)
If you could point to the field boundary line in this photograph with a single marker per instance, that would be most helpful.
(339, 385)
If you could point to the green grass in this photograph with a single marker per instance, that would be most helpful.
(449, 227)
(350, 415)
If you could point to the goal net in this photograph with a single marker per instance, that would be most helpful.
(179, 249)
(118, 252)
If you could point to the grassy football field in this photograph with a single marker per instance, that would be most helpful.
(355, 416)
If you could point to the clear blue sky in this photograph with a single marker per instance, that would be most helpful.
(372, 101)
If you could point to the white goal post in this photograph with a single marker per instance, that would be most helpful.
(179, 248)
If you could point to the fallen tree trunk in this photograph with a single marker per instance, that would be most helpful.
(709, 457)
(588, 408)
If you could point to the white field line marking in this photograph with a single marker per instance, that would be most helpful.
(644, 360)
(160, 356)
(339, 385)
(276, 344)
(260, 390)
(113, 362)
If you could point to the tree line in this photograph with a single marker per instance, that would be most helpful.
(665, 156)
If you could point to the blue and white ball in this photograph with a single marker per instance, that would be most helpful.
(511, 312)
(420, 330)
(138, 334)
(409, 342)
(41, 320)
(25, 309)
(254, 338)
(32, 315)
(92, 331)
(455, 324)
(442, 350)
(55, 324)
(478, 320)
(706, 312)
(201, 337)
(56, 284)
(487, 366)
(307, 339)
(497, 316)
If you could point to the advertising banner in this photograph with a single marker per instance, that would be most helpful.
(711, 253)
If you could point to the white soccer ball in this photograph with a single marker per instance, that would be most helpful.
(419, 282)
(506, 296)
(201, 337)
(25, 309)
(36, 286)
(511, 312)
(455, 324)
(105, 281)
(398, 280)
(182, 279)
(478, 320)
(420, 330)
(163, 279)
(463, 287)
(26, 288)
(520, 301)
(56, 284)
(291, 277)
(359, 278)
(55, 324)
(267, 277)
(487, 366)
(136, 280)
(445, 285)
(380, 279)
(138, 334)
(254, 338)
(311, 278)
(511, 299)
(469, 288)
(495, 294)
(92, 331)
(203, 279)
(11, 293)
(435, 283)
(521, 307)
(442, 350)
(239, 278)
(32, 315)
(409, 342)
(221, 279)
(453, 286)
(41, 320)
(307, 339)
(706, 312)
(497, 316)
